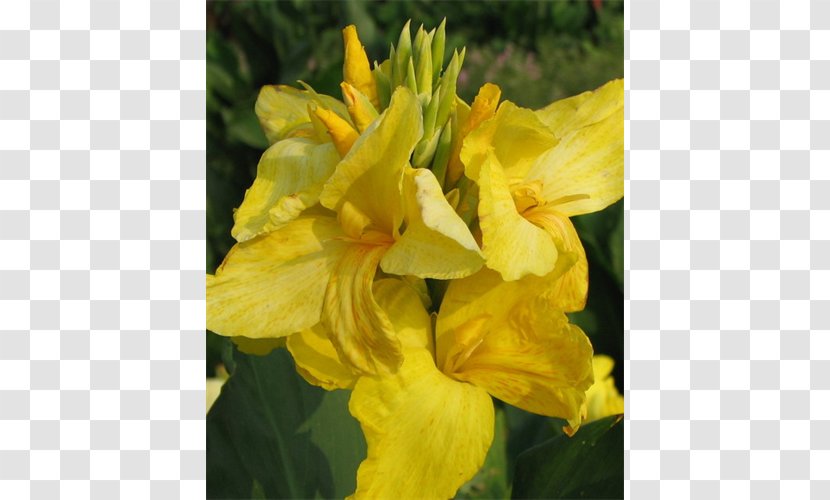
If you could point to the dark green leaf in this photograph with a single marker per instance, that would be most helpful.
(491, 481)
(588, 465)
(272, 435)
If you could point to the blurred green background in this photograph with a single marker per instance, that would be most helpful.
(536, 51)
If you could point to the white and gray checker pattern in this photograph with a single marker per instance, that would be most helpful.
(728, 249)
(102, 244)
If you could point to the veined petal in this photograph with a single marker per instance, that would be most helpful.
(359, 329)
(581, 110)
(535, 360)
(317, 360)
(290, 176)
(515, 135)
(512, 246)
(426, 434)
(484, 295)
(370, 176)
(436, 242)
(274, 285)
(584, 172)
(283, 111)
(570, 291)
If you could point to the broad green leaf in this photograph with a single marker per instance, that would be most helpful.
(272, 435)
(491, 481)
(588, 465)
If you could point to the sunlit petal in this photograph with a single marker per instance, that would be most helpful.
(370, 176)
(436, 243)
(274, 285)
(290, 176)
(426, 433)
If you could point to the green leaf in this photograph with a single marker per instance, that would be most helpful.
(588, 465)
(272, 435)
(491, 480)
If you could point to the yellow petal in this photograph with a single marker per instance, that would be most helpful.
(406, 310)
(483, 108)
(274, 285)
(426, 434)
(512, 246)
(290, 176)
(341, 132)
(360, 330)
(570, 291)
(506, 337)
(603, 398)
(356, 69)
(515, 135)
(534, 360)
(317, 360)
(436, 243)
(573, 113)
(370, 176)
(584, 172)
(283, 111)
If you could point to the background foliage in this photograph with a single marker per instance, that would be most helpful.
(537, 52)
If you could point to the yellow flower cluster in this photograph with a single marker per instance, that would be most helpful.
(358, 202)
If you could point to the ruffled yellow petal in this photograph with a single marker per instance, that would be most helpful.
(512, 246)
(535, 360)
(317, 360)
(290, 176)
(573, 113)
(483, 108)
(570, 291)
(584, 172)
(370, 176)
(360, 330)
(426, 434)
(603, 398)
(356, 69)
(406, 311)
(507, 338)
(515, 135)
(436, 243)
(274, 285)
(283, 111)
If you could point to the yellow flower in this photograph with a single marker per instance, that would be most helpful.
(603, 399)
(428, 427)
(319, 266)
(534, 170)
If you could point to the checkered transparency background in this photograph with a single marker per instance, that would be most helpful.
(728, 249)
(102, 210)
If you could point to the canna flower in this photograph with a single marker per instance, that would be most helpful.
(534, 170)
(319, 267)
(603, 399)
(436, 415)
